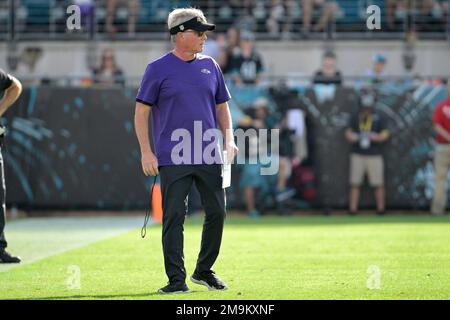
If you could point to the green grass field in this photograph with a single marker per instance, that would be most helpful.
(284, 258)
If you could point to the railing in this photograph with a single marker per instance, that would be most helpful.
(294, 81)
(146, 19)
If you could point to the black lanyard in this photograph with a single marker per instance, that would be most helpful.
(147, 211)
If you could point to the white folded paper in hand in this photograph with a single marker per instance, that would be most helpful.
(2, 130)
(226, 171)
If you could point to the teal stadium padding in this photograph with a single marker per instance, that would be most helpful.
(76, 147)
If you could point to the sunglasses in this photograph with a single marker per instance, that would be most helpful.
(197, 33)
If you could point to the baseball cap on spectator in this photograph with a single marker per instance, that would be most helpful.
(379, 58)
(367, 99)
(247, 35)
(261, 102)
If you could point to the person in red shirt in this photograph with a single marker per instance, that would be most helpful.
(441, 124)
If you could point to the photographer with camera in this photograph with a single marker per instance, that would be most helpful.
(367, 132)
(11, 89)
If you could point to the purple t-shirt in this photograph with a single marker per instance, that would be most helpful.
(183, 95)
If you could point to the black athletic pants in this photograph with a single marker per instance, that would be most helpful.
(3, 243)
(176, 182)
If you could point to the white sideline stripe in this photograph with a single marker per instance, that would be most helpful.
(36, 239)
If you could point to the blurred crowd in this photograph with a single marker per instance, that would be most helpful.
(273, 18)
(258, 104)
(234, 47)
(253, 109)
(280, 17)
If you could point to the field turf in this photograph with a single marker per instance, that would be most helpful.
(288, 258)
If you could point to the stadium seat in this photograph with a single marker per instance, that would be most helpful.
(37, 15)
(4, 18)
(355, 14)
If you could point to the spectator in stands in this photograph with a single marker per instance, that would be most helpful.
(108, 72)
(280, 13)
(432, 15)
(215, 47)
(399, 9)
(133, 8)
(247, 66)
(87, 8)
(366, 132)
(242, 7)
(221, 41)
(287, 154)
(428, 15)
(377, 74)
(391, 7)
(441, 124)
(251, 181)
(232, 50)
(328, 74)
(328, 9)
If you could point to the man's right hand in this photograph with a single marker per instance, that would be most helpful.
(149, 164)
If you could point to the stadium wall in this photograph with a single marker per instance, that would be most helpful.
(76, 147)
(288, 58)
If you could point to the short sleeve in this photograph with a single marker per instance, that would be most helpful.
(5, 80)
(148, 92)
(222, 94)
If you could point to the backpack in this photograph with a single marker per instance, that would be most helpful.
(304, 181)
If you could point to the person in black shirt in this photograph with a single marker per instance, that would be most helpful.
(11, 89)
(109, 72)
(366, 133)
(247, 66)
(328, 74)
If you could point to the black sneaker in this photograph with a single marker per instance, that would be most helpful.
(209, 279)
(6, 257)
(175, 288)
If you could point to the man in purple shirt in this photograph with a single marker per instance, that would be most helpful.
(187, 96)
